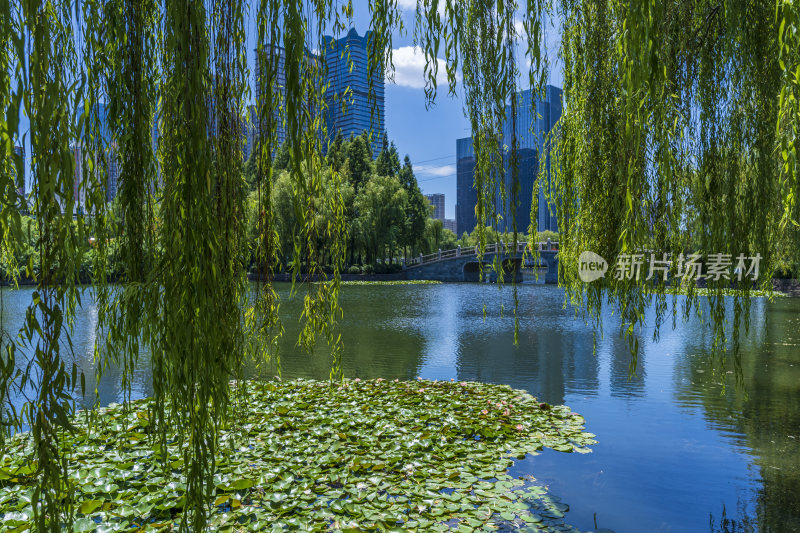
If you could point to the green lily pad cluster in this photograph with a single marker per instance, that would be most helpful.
(317, 456)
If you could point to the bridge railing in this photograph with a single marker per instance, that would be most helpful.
(491, 248)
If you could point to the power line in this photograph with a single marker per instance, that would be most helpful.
(438, 177)
(434, 159)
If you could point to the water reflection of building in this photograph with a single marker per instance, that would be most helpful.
(548, 362)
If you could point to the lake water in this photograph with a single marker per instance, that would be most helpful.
(675, 452)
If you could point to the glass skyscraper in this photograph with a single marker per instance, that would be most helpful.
(352, 112)
(534, 120)
(349, 108)
(110, 161)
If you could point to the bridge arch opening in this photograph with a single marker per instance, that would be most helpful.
(472, 271)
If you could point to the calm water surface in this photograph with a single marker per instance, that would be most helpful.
(676, 452)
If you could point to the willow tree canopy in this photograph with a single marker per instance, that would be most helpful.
(679, 134)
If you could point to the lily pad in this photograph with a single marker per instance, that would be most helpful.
(310, 455)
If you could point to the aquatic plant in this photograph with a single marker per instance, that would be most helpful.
(423, 455)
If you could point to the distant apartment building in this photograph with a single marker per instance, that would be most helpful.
(437, 201)
(450, 223)
(347, 98)
(534, 120)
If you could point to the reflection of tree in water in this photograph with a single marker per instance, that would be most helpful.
(764, 415)
(626, 380)
(743, 523)
(370, 349)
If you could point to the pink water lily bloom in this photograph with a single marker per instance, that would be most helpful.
(485, 412)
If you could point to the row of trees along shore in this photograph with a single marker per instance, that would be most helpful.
(387, 216)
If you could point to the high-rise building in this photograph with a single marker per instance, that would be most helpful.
(535, 119)
(20, 178)
(350, 109)
(466, 195)
(112, 167)
(78, 191)
(437, 201)
(277, 57)
(450, 223)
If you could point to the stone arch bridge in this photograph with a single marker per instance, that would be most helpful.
(462, 264)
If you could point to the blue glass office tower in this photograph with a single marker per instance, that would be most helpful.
(354, 112)
(530, 132)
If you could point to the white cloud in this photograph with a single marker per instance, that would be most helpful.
(438, 171)
(519, 27)
(409, 68)
(407, 4)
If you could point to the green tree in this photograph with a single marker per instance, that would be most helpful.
(417, 210)
(359, 161)
(337, 152)
(380, 207)
(388, 161)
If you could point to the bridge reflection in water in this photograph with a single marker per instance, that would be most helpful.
(463, 264)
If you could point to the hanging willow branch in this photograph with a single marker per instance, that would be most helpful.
(679, 134)
(665, 146)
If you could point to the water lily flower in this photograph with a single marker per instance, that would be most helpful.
(506, 412)
(463, 383)
(504, 402)
(421, 390)
(485, 412)
(379, 380)
(357, 380)
(519, 427)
